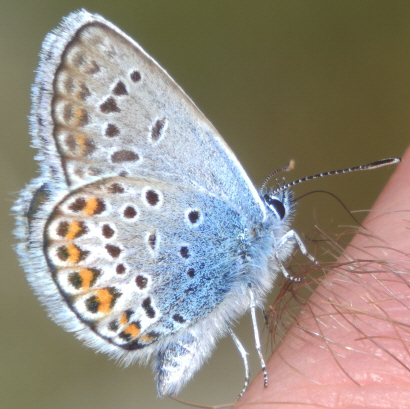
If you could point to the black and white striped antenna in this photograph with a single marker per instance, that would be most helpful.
(369, 166)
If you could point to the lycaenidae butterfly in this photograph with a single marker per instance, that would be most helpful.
(143, 234)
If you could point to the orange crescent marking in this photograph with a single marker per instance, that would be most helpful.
(104, 299)
(73, 253)
(90, 206)
(79, 114)
(123, 319)
(73, 229)
(86, 278)
(132, 330)
(81, 142)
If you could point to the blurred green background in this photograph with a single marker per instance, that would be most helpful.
(325, 83)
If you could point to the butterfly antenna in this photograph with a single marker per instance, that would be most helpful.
(286, 168)
(369, 166)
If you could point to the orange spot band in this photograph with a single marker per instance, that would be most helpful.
(80, 115)
(132, 330)
(73, 254)
(104, 298)
(91, 206)
(81, 142)
(86, 278)
(73, 229)
(123, 319)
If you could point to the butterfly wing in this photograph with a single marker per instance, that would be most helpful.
(103, 107)
(141, 222)
(138, 260)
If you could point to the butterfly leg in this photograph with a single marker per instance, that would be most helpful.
(244, 356)
(257, 339)
(289, 237)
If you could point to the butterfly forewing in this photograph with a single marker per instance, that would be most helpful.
(115, 111)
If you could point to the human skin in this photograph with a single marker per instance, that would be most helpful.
(350, 348)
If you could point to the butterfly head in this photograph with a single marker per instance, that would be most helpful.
(279, 204)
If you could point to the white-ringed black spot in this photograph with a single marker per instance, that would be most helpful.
(135, 76)
(193, 216)
(178, 318)
(112, 130)
(107, 231)
(149, 310)
(109, 106)
(191, 273)
(141, 282)
(113, 251)
(120, 89)
(158, 129)
(130, 212)
(184, 251)
(120, 269)
(152, 240)
(152, 197)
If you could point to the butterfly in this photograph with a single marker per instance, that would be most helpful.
(143, 234)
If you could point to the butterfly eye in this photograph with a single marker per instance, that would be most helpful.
(276, 206)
